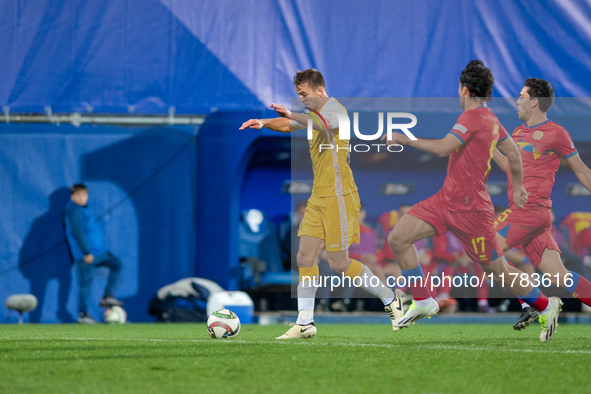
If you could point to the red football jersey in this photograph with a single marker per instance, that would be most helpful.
(576, 223)
(464, 189)
(541, 147)
(386, 222)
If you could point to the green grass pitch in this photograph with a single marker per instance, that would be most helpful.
(179, 358)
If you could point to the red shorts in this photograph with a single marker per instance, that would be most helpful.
(520, 226)
(527, 229)
(355, 256)
(474, 229)
(535, 248)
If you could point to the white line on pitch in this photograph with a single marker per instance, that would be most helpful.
(311, 343)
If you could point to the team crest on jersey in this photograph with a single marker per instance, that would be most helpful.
(538, 135)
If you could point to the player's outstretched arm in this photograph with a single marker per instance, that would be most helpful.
(500, 159)
(441, 147)
(302, 119)
(508, 148)
(318, 122)
(281, 125)
(582, 172)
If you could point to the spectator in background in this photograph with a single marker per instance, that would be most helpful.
(447, 252)
(290, 242)
(574, 237)
(475, 269)
(386, 223)
(574, 246)
(386, 258)
(573, 261)
(88, 249)
(365, 252)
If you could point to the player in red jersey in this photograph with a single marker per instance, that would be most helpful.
(542, 143)
(575, 232)
(463, 205)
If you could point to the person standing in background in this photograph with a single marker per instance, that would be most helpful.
(88, 249)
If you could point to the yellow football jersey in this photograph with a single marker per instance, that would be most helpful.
(332, 173)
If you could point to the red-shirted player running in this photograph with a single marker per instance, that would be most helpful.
(542, 143)
(463, 205)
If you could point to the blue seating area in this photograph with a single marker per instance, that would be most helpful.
(260, 253)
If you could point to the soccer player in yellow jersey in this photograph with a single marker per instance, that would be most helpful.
(332, 214)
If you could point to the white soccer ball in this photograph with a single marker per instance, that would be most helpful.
(115, 314)
(223, 323)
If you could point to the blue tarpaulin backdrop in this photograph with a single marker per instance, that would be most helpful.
(198, 54)
(142, 190)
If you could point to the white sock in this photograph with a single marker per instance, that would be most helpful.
(524, 305)
(305, 317)
(376, 287)
(306, 296)
(425, 302)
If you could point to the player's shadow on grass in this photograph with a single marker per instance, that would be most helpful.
(45, 256)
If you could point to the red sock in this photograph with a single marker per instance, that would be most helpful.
(582, 289)
(416, 283)
(541, 303)
(419, 292)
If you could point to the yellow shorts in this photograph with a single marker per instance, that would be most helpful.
(334, 219)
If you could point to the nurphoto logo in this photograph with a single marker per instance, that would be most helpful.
(345, 132)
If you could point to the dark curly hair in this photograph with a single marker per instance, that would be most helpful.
(542, 90)
(478, 79)
(311, 77)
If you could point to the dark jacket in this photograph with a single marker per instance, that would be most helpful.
(82, 232)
